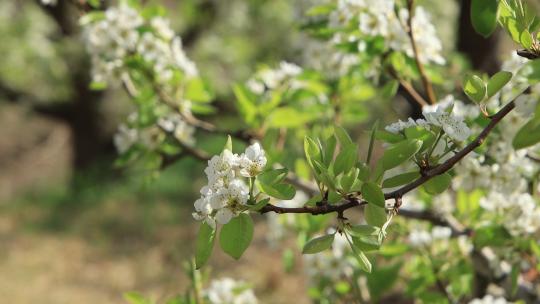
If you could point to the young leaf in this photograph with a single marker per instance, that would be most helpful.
(484, 16)
(343, 136)
(364, 262)
(330, 148)
(319, 244)
(399, 153)
(236, 235)
(228, 144)
(270, 182)
(474, 87)
(438, 184)
(204, 245)
(312, 151)
(375, 215)
(347, 180)
(497, 82)
(346, 159)
(372, 193)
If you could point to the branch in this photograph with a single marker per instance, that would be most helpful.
(425, 80)
(428, 174)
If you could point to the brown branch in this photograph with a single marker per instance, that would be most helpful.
(425, 80)
(409, 88)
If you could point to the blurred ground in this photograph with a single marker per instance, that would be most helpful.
(59, 245)
(108, 251)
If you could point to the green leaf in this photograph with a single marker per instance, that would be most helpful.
(270, 182)
(348, 179)
(245, 103)
(400, 179)
(390, 89)
(330, 148)
(236, 235)
(288, 117)
(279, 191)
(343, 136)
(497, 82)
(474, 87)
(318, 244)
(400, 153)
(526, 39)
(492, 235)
(484, 16)
(346, 159)
(273, 176)
(136, 298)
(196, 91)
(367, 243)
(375, 215)
(527, 135)
(438, 184)
(372, 193)
(363, 261)
(204, 245)
(364, 230)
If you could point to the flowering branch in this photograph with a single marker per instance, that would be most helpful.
(396, 194)
(425, 80)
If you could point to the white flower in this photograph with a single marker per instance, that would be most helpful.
(224, 215)
(419, 238)
(162, 27)
(252, 162)
(453, 126)
(125, 138)
(203, 212)
(229, 291)
(441, 233)
(525, 104)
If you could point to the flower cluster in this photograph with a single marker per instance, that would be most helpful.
(375, 18)
(227, 193)
(420, 238)
(229, 291)
(519, 212)
(123, 33)
(445, 116)
(150, 137)
(269, 79)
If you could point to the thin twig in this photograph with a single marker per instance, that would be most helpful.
(409, 88)
(425, 80)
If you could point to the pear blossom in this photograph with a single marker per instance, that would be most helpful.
(227, 193)
(253, 161)
(452, 125)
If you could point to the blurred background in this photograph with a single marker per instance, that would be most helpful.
(73, 227)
